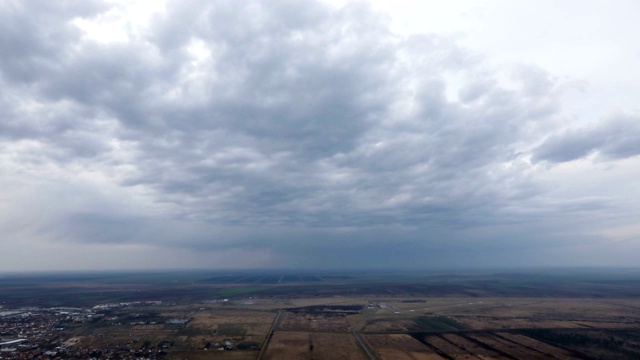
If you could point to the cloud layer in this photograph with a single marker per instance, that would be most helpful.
(290, 133)
(616, 138)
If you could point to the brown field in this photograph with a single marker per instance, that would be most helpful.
(317, 346)
(212, 319)
(400, 347)
(315, 322)
(236, 324)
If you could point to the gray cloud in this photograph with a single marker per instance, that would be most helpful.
(286, 126)
(617, 138)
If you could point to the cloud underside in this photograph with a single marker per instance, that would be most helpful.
(290, 126)
(618, 138)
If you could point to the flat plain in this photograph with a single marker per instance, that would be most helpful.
(267, 315)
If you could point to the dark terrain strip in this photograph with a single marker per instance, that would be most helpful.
(576, 353)
(491, 330)
(430, 346)
(459, 347)
(503, 339)
(487, 347)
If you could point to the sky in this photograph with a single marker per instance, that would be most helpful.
(319, 134)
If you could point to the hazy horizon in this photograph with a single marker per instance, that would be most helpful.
(319, 134)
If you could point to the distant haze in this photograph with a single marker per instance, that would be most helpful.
(304, 134)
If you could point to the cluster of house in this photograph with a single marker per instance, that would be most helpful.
(226, 345)
(22, 330)
(38, 333)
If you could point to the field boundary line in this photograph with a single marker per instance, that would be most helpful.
(364, 346)
(276, 323)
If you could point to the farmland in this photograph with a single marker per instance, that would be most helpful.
(284, 315)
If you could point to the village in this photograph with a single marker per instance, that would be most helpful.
(59, 333)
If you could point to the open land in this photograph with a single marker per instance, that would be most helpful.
(549, 314)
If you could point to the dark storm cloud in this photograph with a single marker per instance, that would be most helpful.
(617, 138)
(284, 124)
(33, 32)
(286, 98)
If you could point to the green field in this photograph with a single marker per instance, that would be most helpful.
(438, 323)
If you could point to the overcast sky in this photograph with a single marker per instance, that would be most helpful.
(339, 134)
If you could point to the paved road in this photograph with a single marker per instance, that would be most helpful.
(365, 346)
(276, 323)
